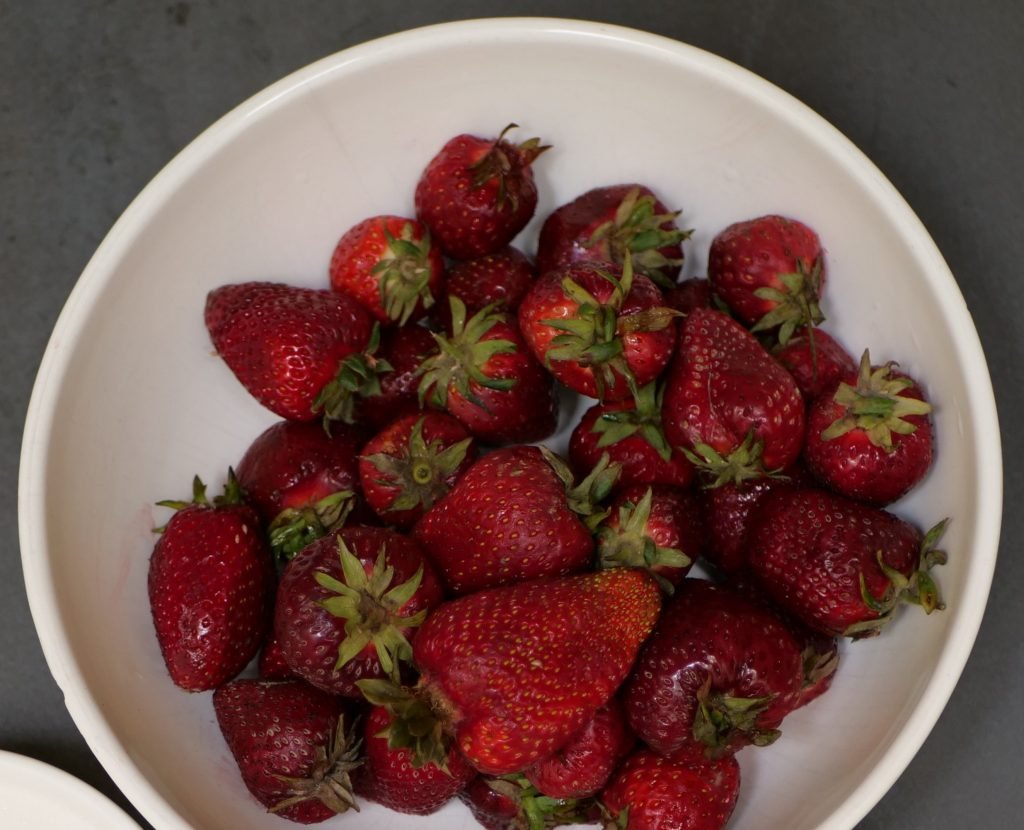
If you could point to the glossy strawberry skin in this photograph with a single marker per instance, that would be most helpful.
(711, 641)
(506, 520)
(285, 343)
(404, 348)
(502, 278)
(816, 370)
(689, 295)
(507, 665)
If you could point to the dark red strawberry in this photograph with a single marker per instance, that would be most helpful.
(412, 463)
(729, 403)
(288, 346)
(608, 224)
(402, 350)
(840, 566)
(505, 672)
(602, 332)
(211, 583)
(816, 361)
(272, 665)
(485, 376)
(720, 671)
(289, 741)
(391, 776)
(501, 279)
(511, 802)
(477, 193)
(650, 792)
(870, 437)
(770, 272)
(654, 526)
(583, 766)
(390, 266)
(349, 604)
(631, 433)
(514, 515)
(688, 295)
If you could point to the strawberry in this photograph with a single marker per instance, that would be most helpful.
(272, 665)
(485, 376)
(631, 432)
(601, 332)
(391, 776)
(513, 516)
(816, 361)
(511, 674)
(840, 566)
(290, 744)
(388, 264)
(735, 410)
(688, 295)
(686, 792)
(720, 671)
(511, 802)
(870, 437)
(658, 527)
(770, 272)
(211, 582)
(477, 193)
(501, 279)
(608, 224)
(412, 463)
(402, 351)
(290, 347)
(349, 604)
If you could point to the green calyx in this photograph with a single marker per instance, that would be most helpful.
(720, 719)
(742, 464)
(233, 494)
(875, 405)
(460, 361)
(586, 498)
(644, 420)
(497, 164)
(536, 810)
(403, 274)
(420, 471)
(358, 376)
(329, 778)
(295, 527)
(371, 608)
(796, 302)
(418, 724)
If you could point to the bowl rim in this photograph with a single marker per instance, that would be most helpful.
(40, 419)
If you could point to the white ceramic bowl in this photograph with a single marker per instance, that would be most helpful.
(130, 402)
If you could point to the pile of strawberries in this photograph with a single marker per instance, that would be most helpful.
(443, 607)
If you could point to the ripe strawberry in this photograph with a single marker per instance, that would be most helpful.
(839, 566)
(412, 463)
(402, 351)
(513, 673)
(288, 346)
(290, 745)
(501, 279)
(650, 792)
(631, 433)
(720, 671)
(211, 582)
(658, 527)
(485, 376)
(729, 403)
(816, 361)
(349, 604)
(870, 437)
(688, 295)
(390, 775)
(272, 665)
(770, 272)
(511, 802)
(388, 264)
(477, 193)
(601, 332)
(608, 224)
(513, 516)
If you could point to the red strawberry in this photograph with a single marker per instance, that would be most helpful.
(290, 745)
(477, 193)
(211, 582)
(513, 516)
(391, 776)
(601, 332)
(658, 527)
(607, 224)
(485, 376)
(815, 360)
(349, 604)
(720, 671)
(272, 665)
(501, 278)
(688, 295)
(870, 437)
(728, 402)
(650, 792)
(412, 463)
(631, 433)
(582, 767)
(839, 566)
(511, 802)
(770, 272)
(402, 351)
(513, 673)
(388, 264)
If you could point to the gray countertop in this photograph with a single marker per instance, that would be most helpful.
(97, 95)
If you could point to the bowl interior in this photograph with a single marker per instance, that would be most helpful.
(130, 401)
